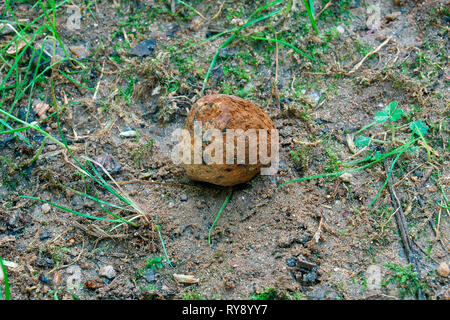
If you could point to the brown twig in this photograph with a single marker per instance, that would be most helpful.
(329, 4)
(359, 64)
(403, 228)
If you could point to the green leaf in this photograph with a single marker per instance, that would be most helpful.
(396, 114)
(419, 127)
(391, 107)
(381, 117)
(362, 142)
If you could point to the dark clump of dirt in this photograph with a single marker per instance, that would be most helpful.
(130, 83)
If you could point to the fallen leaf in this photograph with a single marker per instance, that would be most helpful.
(93, 284)
(41, 109)
(188, 279)
(351, 144)
(15, 48)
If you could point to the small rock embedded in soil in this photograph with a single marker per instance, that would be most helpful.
(314, 96)
(347, 177)
(45, 208)
(443, 269)
(144, 48)
(49, 52)
(373, 277)
(128, 133)
(392, 16)
(45, 235)
(111, 164)
(291, 262)
(309, 277)
(305, 265)
(80, 52)
(183, 197)
(108, 272)
(150, 275)
(340, 29)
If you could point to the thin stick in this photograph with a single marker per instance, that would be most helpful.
(403, 228)
(218, 12)
(98, 84)
(358, 65)
(330, 3)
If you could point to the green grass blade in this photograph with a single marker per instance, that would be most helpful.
(334, 174)
(5, 280)
(115, 206)
(70, 210)
(218, 215)
(387, 178)
(284, 43)
(309, 5)
(158, 227)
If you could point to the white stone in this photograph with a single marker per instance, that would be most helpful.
(46, 208)
(373, 277)
(340, 29)
(108, 272)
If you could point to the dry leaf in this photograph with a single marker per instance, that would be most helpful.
(41, 109)
(351, 144)
(185, 278)
(14, 48)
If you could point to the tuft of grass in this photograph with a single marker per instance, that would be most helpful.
(193, 295)
(29, 78)
(405, 278)
(252, 19)
(309, 6)
(267, 294)
(387, 116)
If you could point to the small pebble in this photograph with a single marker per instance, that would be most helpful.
(44, 279)
(108, 272)
(314, 96)
(340, 29)
(128, 134)
(291, 262)
(443, 270)
(310, 277)
(45, 208)
(45, 235)
(144, 48)
(183, 197)
(150, 275)
(347, 177)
